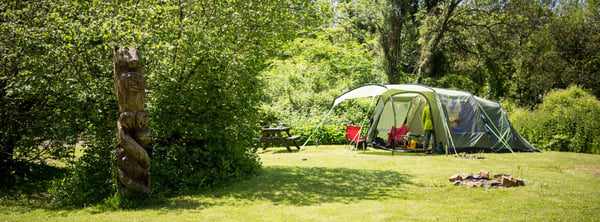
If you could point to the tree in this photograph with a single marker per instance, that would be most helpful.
(398, 35)
(312, 71)
(202, 60)
(207, 95)
(575, 34)
(522, 49)
(432, 30)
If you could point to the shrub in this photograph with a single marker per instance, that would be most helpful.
(332, 130)
(327, 134)
(202, 132)
(302, 84)
(90, 179)
(565, 121)
(202, 86)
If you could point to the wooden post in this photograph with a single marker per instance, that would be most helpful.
(132, 158)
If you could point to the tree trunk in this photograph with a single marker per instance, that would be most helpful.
(432, 37)
(392, 50)
(391, 36)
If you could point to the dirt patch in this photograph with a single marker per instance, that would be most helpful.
(470, 156)
(595, 170)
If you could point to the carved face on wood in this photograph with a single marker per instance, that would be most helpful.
(129, 80)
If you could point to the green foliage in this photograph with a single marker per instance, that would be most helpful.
(91, 178)
(300, 86)
(521, 50)
(327, 134)
(565, 121)
(201, 62)
(196, 151)
(53, 74)
(87, 183)
(205, 89)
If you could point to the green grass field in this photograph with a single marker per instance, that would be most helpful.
(330, 183)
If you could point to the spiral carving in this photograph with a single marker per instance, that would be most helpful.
(133, 160)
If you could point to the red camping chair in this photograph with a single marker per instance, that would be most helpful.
(397, 134)
(353, 137)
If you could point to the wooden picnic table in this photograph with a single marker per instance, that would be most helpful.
(275, 135)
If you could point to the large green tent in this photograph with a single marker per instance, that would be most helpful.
(462, 122)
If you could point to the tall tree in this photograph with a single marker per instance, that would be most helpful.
(433, 26)
(398, 32)
(502, 48)
(576, 37)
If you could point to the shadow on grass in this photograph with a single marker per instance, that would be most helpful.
(304, 186)
(275, 150)
(288, 185)
(389, 153)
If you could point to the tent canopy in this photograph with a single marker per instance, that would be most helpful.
(373, 90)
(462, 122)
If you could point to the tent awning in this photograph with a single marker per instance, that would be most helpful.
(377, 90)
(360, 92)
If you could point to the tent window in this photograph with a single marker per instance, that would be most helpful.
(463, 116)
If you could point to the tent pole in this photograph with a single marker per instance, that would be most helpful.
(395, 120)
(318, 126)
(363, 124)
(449, 139)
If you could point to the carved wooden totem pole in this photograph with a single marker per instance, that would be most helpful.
(132, 159)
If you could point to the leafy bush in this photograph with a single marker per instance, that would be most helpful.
(202, 86)
(565, 121)
(52, 77)
(327, 134)
(90, 179)
(311, 73)
(202, 142)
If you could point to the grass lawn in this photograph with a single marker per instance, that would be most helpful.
(330, 183)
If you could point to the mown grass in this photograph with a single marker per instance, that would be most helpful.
(330, 183)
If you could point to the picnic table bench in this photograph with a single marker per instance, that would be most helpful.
(275, 135)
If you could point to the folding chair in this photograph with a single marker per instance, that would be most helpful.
(353, 137)
(396, 135)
